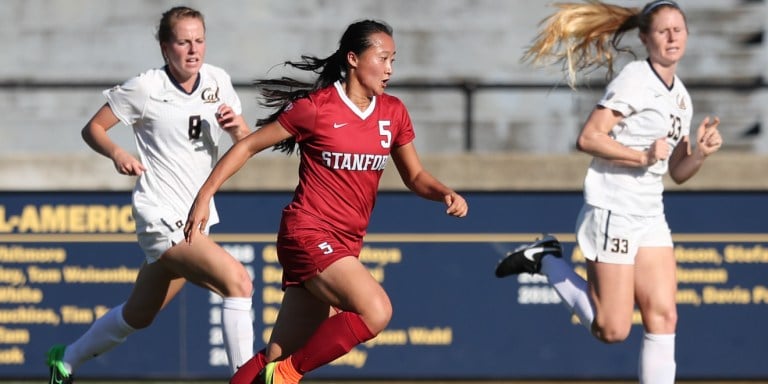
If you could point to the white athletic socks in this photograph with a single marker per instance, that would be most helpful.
(237, 327)
(657, 359)
(570, 287)
(104, 334)
(111, 329)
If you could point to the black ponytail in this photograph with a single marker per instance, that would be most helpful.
(278, 93)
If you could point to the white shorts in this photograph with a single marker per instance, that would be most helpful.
(609, 237)
(158, 237)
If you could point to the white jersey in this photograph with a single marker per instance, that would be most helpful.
(651, 110)
(177, 137)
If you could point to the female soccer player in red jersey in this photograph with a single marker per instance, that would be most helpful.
(346, 128)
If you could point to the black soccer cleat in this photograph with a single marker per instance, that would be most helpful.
(527, 257)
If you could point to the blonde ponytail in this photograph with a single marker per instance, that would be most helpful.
(582, 36)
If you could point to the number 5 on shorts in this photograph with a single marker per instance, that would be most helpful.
(327, 249)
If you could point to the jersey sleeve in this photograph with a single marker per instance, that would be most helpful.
(230, 97)
(127, 100)
(687, 121)
(624, 93)
(405, 134)
(299, 117)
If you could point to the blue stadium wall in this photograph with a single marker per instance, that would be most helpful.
(67, 257)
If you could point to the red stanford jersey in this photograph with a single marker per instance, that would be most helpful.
(343, 154)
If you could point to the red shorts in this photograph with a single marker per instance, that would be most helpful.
(305, 248)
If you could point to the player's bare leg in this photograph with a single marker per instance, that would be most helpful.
(656, 289)
(207, 264)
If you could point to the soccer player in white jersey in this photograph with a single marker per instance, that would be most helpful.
(178, 113)
(637, 132)
(346, 129)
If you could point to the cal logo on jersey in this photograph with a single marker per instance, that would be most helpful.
(681, 102)
(210, 95)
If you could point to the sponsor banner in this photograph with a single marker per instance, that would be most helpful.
(67, 258)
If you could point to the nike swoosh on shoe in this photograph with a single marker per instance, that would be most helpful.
(530, 252)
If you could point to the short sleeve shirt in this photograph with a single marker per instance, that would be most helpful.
(650, 110)
(343, 154)
(177, 138)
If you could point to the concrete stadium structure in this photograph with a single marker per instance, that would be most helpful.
(454, 57)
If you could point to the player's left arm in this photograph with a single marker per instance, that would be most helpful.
(421, 182)
(686, 162)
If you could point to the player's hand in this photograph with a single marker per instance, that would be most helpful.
(708, 139)
(659, 150)
(457, 206)
(127, 164)
(225, 116)
(196, 219)
(232, 123)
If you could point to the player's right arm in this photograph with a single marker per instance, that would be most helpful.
(595, 139)
(264, 137)
(95, 135)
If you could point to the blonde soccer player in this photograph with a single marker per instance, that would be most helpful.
(638, 132)
(178, 112)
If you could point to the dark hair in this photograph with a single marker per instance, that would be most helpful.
(278, 93)
(169, 19)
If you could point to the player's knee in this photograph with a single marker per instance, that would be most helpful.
(662, 321)
(610, 333)
(669, 318)
(244, 287)
(612, 337)
(377, 315)
(240, 285)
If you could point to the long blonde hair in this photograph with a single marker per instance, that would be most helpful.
(582, 36)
